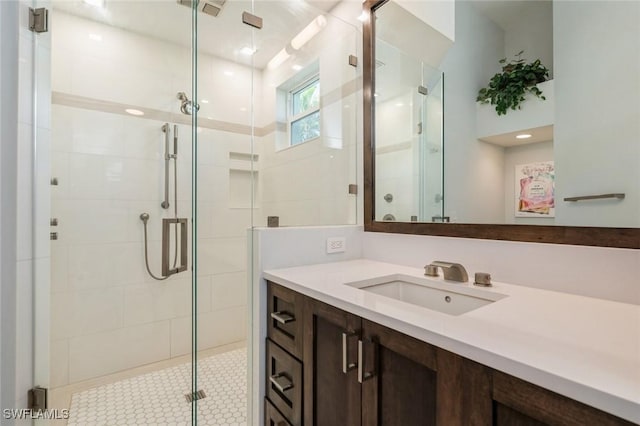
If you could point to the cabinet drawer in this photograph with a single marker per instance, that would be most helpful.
(272, 416)
(284, 383)
(284, 318)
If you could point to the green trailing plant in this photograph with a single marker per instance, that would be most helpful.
(508, 88)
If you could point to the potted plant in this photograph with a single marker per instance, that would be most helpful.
(508, 88)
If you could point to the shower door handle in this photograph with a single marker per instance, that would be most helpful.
(166, 246)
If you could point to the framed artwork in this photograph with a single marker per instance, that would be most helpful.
(535, 185)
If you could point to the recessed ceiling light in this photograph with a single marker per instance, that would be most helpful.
(247, 51)
(523, 136)
(95, 37)
(134, 111)
(296, 67)
(399, 104)
(95, 3)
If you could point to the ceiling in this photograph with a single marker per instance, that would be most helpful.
(222, 36)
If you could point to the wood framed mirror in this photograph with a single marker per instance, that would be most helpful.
(603, 236)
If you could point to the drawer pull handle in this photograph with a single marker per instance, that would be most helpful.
(281, 382)
(346, 365)
(282, 317)
(362, 376)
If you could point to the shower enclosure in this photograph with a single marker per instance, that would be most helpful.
(177, 126)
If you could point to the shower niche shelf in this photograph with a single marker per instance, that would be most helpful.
(535, 118)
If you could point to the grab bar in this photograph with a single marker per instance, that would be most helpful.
(619, 196)
(166, 246)
(167, 158)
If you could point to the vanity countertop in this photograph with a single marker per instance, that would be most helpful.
(585, 348)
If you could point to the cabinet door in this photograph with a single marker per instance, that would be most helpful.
(331, 396)
(464, 392)
(398, 378)
(521, 403)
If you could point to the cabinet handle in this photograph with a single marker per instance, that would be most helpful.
(281, 382)
(362, 375)
(346, 365)
(282, 317)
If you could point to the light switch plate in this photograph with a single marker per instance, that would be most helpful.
(336, 244)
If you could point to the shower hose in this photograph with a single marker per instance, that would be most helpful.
(145, 218)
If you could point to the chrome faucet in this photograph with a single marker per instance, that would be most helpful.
(452, 271)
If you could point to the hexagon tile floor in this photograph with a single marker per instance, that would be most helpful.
(158, 398)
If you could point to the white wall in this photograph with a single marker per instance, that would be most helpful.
(604, 273)
(474, 183)
(437, 13)
(524, 154)
(532, 31)
(107, 313)
(597, 42)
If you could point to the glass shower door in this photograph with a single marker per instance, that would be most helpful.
(276, 137)
(122, 150)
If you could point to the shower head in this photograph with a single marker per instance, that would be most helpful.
(187, 106)
(210, 7)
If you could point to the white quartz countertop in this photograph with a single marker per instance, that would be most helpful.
(585, 348)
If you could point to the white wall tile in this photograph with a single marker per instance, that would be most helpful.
(42, 196)
(95, 132)
(86, 312)
(86, 177)
(222, 255)
(180, 336)
(93, 266)
(60, 362)
(223, 327)
(59, 268)
(156, 301)
(103, 353)
(205, 289)
(93, 221)
(229, 290)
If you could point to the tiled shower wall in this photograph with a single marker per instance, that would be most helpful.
(107, 313)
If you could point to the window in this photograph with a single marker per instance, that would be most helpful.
(304, 112)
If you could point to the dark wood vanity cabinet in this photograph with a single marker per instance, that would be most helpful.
(398, 378)
(359, 373)
(517, 402)
(332, 394)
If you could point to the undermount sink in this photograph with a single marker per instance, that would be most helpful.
(436, 295)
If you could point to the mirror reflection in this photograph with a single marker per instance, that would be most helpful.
(569, 157)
